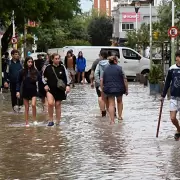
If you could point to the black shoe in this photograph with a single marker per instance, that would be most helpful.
(177, 136)
(103, 113)
(51, 123)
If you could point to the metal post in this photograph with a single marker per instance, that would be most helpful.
(13, 26)
(34, 43)
(172, 39)
(25, 33)
(150, 33)
(136, 23)
(0, 62)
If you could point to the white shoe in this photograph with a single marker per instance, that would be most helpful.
(27, 125)
(35, 123)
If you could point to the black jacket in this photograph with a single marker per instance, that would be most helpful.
(49, 77)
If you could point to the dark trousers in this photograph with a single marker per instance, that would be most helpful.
(14, 99)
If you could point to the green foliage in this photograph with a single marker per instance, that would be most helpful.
(100, 30)
(60, 33)
(39, 10)
(131, 39)
(77, 42)
(156, 74)
(141, 39)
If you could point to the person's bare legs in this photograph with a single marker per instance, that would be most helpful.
(83, 77)
(111, 101)
(26, 112)
(120, 107)
(50, 100)
(79, 74)
(174, 120)
(58, 111)
(73, 80)
(33, 108)
(101, 104)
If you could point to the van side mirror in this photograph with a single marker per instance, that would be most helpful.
(139, 57)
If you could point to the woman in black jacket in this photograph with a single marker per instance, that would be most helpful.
(54, 72)
(27, 85)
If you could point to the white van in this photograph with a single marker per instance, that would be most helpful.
(130, 60)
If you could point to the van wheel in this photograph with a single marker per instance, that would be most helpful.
(145, 71)
(87, 76)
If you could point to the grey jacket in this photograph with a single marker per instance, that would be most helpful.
(99, 71)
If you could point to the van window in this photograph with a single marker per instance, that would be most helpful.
(112, 52)
(129, 54)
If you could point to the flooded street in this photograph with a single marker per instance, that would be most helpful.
(86, 147)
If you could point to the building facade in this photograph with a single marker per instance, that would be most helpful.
(125, 19)
(103, 6)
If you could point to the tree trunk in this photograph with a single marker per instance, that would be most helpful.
(6, 39)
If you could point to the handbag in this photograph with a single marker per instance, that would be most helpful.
(60, 84)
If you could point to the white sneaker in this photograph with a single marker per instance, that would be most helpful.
(27, 125)
(35, 123)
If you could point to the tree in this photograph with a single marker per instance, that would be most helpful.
(100, 30)
(59, 33)
(41, 11)
(141, 38)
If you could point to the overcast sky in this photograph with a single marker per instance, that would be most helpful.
(86, 5)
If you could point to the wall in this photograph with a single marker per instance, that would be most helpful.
(126, 15)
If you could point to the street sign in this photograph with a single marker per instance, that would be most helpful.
(173, 32)
(14, 40)
(34, 47)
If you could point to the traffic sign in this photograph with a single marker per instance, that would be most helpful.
(14, 40)
(34, 47)
(173, 32)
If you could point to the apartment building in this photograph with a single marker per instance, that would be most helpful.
(103, 6)
(124, 16)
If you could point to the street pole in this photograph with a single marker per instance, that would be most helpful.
(34, 42)
(172, 39)
(137, 6)
(25, 33)
(0, 62)
(136, 23)
(150, 33)
(13, 26)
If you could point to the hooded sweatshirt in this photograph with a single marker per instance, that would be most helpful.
(81, 63)
(99, 71)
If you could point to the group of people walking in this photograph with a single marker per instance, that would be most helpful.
(49, 80)
(110, 82)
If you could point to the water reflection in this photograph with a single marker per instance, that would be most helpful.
(85, 146)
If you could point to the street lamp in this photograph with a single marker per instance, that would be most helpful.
(150, 31)
(172, 39)
(137, 6)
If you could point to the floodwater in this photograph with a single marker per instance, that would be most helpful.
(85, 146)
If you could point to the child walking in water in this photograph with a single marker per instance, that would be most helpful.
(27, 83)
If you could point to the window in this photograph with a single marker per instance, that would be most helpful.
(112, 52)
(127, 26)
(129, 54)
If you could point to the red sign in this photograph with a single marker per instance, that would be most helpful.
(130, 17)
(32, 23)
(173, 32)
(14, 40)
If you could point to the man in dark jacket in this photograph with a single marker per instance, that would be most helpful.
(11, 73)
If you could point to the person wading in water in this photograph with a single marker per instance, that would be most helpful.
(27, 79)
(11, 73)
(56, 83)
(114, 84)
(173, 81)
(70, 64)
